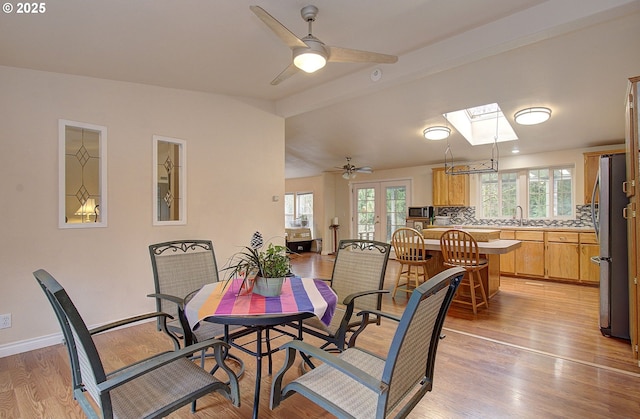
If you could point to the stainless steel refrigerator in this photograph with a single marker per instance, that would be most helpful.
(611, 230)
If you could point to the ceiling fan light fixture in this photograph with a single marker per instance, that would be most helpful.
(310, 59)
(437, 133)
(348, 175)
(532, 116)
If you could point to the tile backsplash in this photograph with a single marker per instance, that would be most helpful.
(467, 216)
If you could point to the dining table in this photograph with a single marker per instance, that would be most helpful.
(232, 303)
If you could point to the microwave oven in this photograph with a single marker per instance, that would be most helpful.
(420, 212)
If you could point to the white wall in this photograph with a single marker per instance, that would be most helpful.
(235, 165)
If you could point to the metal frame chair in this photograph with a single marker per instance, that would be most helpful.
(359, 384)
(358, 281)
(151, 388)
(459, 248)
(180, 269)
(408, 245)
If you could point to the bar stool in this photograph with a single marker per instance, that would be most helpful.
(459, 248)
(408, 245)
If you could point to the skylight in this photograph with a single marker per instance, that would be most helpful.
(478, 124)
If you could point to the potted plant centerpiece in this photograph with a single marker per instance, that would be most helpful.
(266, 267)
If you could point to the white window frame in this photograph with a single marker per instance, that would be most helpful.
(297, 211)
(522, 193)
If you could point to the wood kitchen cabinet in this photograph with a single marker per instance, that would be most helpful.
(560, 255)
(563, 255)
(591, 166)
(529, 257)
(450, 190)
(589, 247)
(508, 260)
(632, 143)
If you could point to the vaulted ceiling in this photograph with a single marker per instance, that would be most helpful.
(573, 56)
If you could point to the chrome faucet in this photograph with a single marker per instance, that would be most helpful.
(516, 215)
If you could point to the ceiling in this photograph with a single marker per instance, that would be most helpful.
(574, 56)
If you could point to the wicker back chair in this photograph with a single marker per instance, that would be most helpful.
(459, 248)
(172, 379)
(181, 268)
(358, 384)
(358, 281)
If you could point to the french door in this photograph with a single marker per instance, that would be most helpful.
(379, 208)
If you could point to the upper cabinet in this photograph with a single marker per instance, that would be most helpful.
(450, 190)
(591, 166)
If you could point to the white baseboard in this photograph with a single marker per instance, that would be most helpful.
(30, 344)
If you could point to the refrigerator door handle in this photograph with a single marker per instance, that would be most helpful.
(594, 211)
(605, 289)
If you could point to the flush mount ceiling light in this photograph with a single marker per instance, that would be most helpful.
(532, 116)
(437, 133)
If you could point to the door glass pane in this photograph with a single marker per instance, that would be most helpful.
(396, 209)
(366, 213)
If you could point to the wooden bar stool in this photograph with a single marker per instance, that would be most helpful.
(459, 248)
(408, 245)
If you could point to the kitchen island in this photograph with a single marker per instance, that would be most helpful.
(491, 250)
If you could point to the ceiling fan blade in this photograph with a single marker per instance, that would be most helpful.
(346, 55)
(365, 169)
(286, 73)
(278, 28)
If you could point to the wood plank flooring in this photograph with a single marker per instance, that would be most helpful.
(535, 353)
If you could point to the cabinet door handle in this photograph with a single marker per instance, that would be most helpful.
(624, 213)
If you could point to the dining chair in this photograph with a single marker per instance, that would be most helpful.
(358, 281)
(150, 388)
(408, 245)
(180, 269)
(357, 383)
(459, 248)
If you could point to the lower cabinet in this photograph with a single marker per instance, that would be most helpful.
(558, 255)
(508, 260)
(589, 247)
(530, 255)
(563, 255)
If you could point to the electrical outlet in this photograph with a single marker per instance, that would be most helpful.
(5, 321)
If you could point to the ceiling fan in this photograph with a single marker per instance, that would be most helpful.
(311, 54)
(349, 170)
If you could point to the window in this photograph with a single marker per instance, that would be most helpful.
(548, 193)
(169, 189)
(82, 175)
(298, 209)
(499, 194)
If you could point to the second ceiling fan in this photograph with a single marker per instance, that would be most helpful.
(349, 171)
(311, 54)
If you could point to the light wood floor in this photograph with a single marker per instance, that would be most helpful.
(535, 353)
